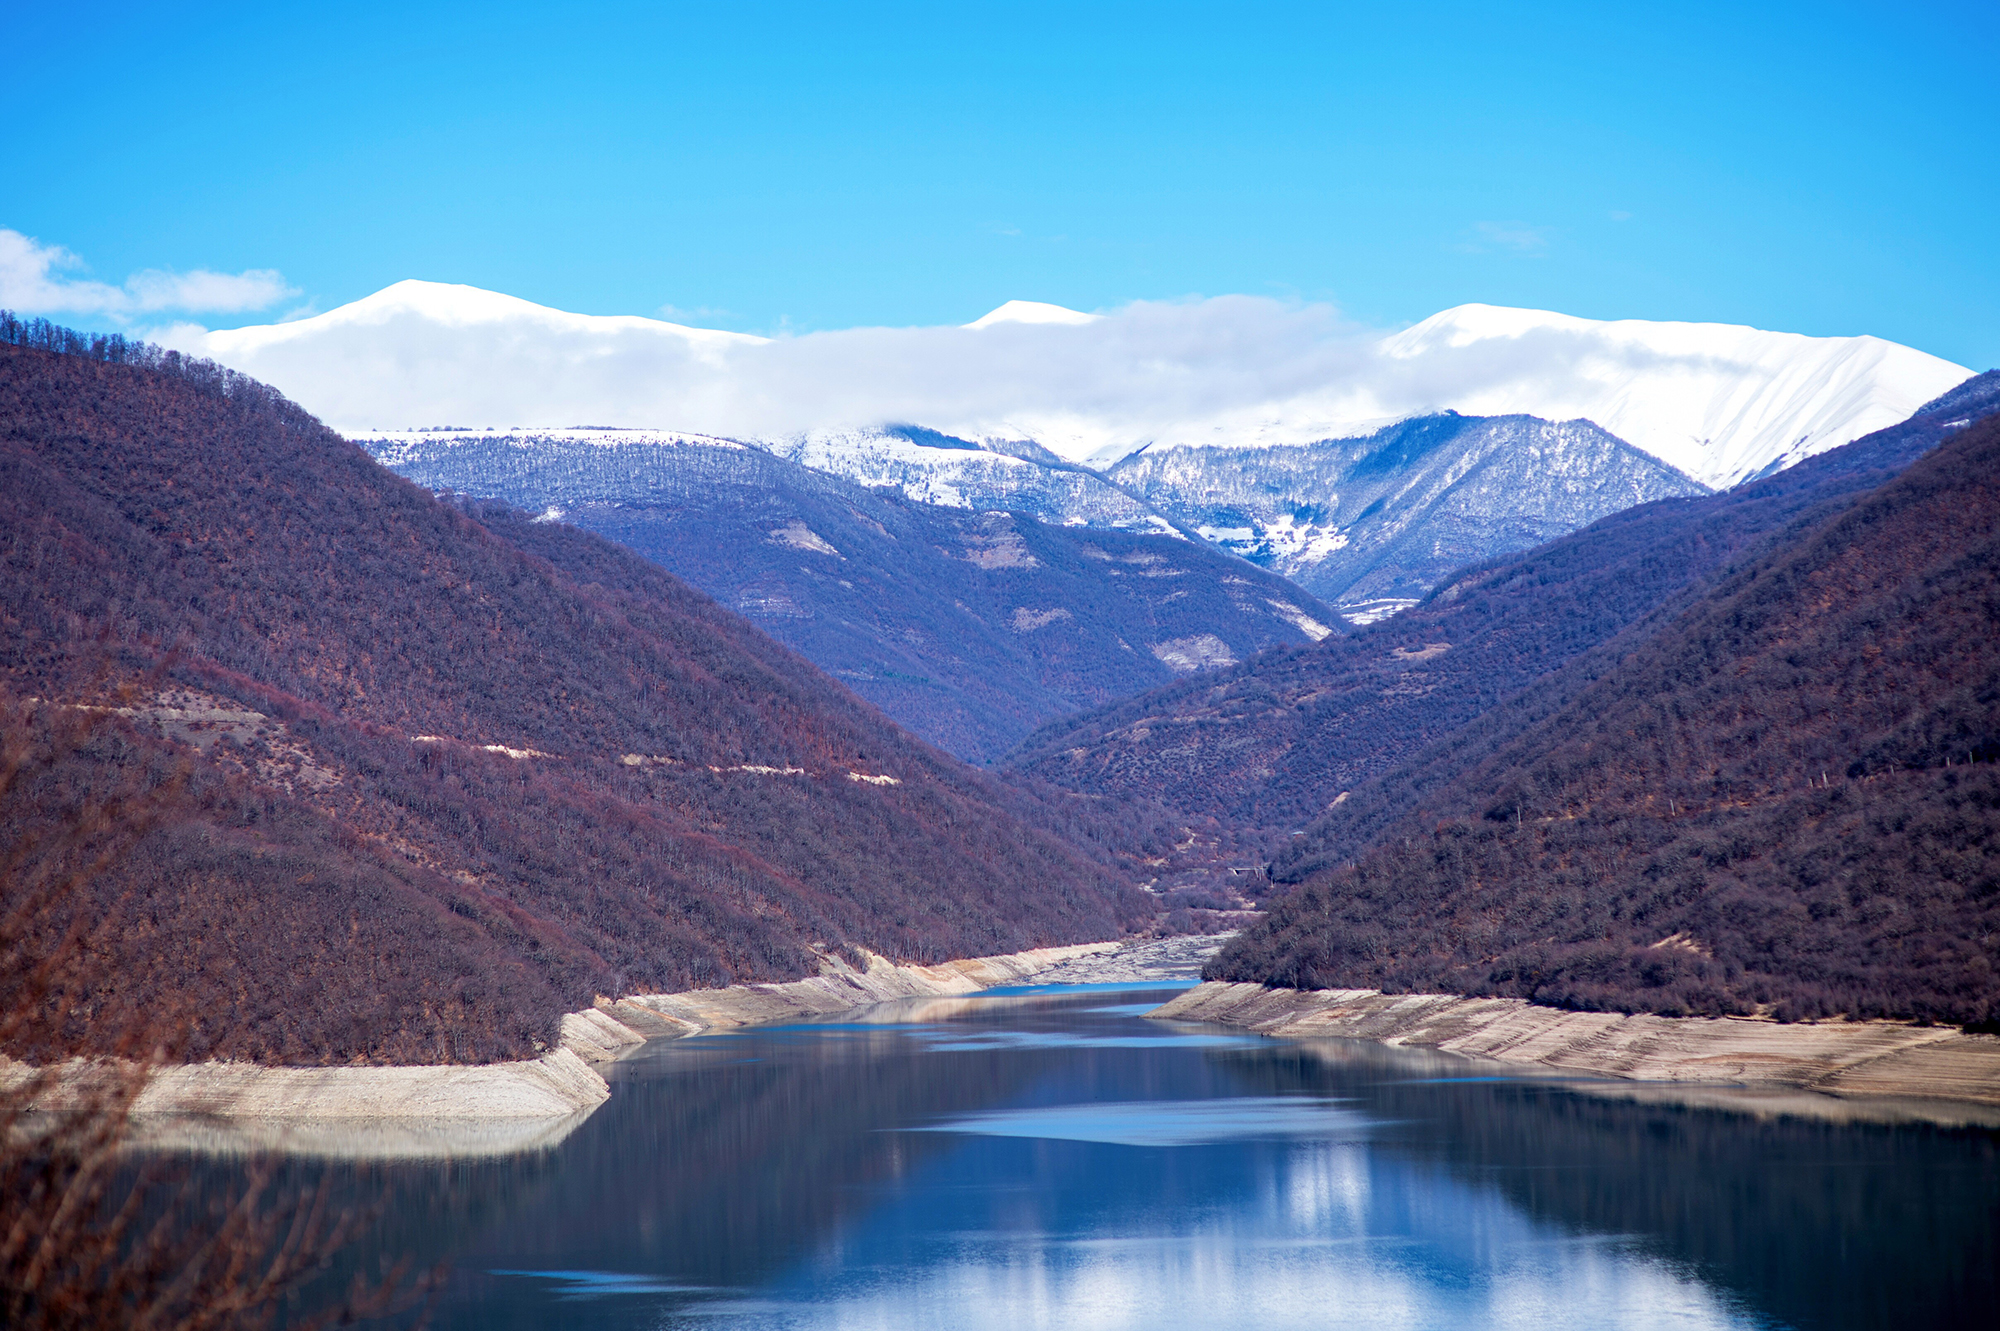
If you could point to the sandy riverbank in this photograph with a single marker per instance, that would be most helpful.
(1876, 1059)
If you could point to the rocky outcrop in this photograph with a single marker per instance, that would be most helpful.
(1857, 1058)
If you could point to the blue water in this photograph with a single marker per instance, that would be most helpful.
(1057, 1160)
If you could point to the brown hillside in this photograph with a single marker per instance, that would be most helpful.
(1784, 800)
(1270, 744)
(415, 788)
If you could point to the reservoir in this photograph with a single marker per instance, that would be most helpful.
(1052, 1158)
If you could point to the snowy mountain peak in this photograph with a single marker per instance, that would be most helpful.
(1464, 324)
(1031, 312)
(452, 305)
(1721, 402)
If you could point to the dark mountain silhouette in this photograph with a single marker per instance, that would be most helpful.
(375, 779)
(1272, 743)
(971, 628)
(1784, 800)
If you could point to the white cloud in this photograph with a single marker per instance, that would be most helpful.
(223, 293)
(28, 284)
(33, 281)
(1245, 370)
(1151, 371)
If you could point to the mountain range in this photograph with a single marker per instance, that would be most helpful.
(969, 623)
(853, 547)
(1338, 459)
(1717, 402)
(346, 766)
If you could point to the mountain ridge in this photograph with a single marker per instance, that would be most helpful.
(1378, 519)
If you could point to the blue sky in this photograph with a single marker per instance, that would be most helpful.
(1823, 168)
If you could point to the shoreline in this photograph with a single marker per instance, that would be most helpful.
(1847, 1070)
(492, 1108)
(613, 1027)
(1861, 1061)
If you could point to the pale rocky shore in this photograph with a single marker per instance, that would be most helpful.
(496, 1108)
(505, 1108)
(1168, 960)
(1878, 1060)
(601, 1033)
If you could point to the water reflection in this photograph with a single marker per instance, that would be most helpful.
(1030, 1160)
(1168, 1122)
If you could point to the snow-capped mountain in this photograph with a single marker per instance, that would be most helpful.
(434, 353)
(1719, 402)
(1311, 448)
(1372, 524)
(449, 305)
(1031, 312)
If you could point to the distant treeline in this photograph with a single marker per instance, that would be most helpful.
(117, 349)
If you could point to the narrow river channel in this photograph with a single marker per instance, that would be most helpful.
(1051, 1158)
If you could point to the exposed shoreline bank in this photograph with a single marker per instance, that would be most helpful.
(601, 1033)
(1871, 1060)
(494, 1108)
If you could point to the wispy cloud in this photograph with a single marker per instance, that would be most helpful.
(34, 279)
(1514, 237)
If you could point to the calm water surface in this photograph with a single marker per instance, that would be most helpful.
(1052, 1159)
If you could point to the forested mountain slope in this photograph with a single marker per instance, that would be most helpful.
(971, 628)
(1273, 742)
(411, 786)
(1785, 800)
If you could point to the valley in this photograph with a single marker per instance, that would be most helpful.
(489, 699)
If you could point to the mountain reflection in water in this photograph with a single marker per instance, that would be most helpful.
(1023, 1160)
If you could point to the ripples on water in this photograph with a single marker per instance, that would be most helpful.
(1029, 1160)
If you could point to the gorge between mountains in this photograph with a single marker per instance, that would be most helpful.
(897, 808)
